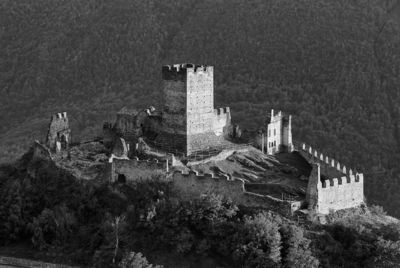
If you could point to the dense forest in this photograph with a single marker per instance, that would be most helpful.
(334, 65)
(55, 217)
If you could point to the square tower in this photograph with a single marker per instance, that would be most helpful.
(189, 120)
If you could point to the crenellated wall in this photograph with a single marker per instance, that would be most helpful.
(329, 166)
(326, 195)
(341, 193)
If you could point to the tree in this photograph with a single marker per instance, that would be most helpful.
(136, 260)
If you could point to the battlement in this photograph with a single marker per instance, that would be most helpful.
(58, 134)
(205, 175)
(326, 195)
(326, 161)
(276, 116)
(342, 181)
(58, 116)
(180, 71)
(222, 111)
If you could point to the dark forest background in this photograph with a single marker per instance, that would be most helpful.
(334, 65)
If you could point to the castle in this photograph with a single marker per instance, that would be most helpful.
(188, 123)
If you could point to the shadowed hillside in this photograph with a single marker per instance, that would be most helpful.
(334, 65)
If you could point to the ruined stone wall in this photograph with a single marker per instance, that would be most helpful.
(135, 169)
(193, 185)
(108, 135)
(279, 133)
(130, 124)
(58, 132)
(274, 133)
(40, 151)
(222, 120)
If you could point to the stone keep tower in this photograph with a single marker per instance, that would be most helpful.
(279, 133)
(189, 121)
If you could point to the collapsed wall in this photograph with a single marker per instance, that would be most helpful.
(193, 184)
(124, 169)
(190, 185)
(59, 133)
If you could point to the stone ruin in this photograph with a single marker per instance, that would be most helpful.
(187, 122)
(59, 134)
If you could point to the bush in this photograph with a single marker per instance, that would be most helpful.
(136, 260)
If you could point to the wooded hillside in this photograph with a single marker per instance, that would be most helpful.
(334, 65)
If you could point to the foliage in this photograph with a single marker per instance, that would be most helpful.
(136, 260)
(296, 248)
(259, 242)
(99, 224)
(332, 64)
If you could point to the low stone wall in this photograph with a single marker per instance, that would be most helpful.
(189, 185)
(135, 169)
(192, 185)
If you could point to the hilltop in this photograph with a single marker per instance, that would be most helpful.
(332, 65)
(69, 211)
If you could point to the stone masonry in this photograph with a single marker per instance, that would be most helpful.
(331, 186)
(279, 136)
(189, 119)
(59, 133)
